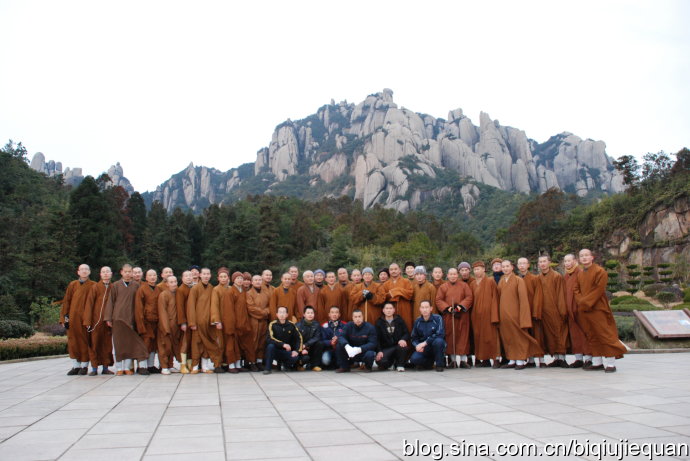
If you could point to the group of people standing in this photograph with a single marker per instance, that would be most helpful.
(509, 319)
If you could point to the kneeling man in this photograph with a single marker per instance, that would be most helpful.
(428, 339)
(356, 344)
(283, 343)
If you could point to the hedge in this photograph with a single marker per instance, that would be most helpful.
(15, 329)
(36, 346)
(635, 307)
(630, 300)
(625, 327)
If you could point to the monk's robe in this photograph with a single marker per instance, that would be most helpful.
(297, 285)
(594, 313)
(485, 318)
(438, 283)
(286, 298)
(162, 286)
(372, 308)
(400, 292)
(168, 338)
(554, 313)
(536, 300)
(468, 280)
(119, 310)
(269, 289)
(258, 307)
(458, 323)
(424, 292)
(306, 296)
(236, 327)
(207, 340)
(146, 315)
(515, 319)
(73, 305)
(329, 296)
(100, 335)
(181, 296)
(578, 340)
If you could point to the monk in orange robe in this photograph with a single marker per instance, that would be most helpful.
(207, 339)
(146, 315)
(284, 295)
(100, 335)
(294, 276)
(236, 322)
(423, 290)
(578, 341)
(331, 295)
(437, 277)
(454, 300)
(181, 296)
(367, 297)
(485, 317)
(399, 290)
(267, 279)
(165, 273)
(258, 300)
(72, 316)
(595, 316)
(554, 313)
(515, 319)
(307, 294)
(536, 301)
(169, 332)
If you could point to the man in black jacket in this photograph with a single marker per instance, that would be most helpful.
(312, 346)
(283, 342)
(357, 343)
(393, 339)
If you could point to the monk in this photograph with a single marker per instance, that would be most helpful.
(138, 274)
(146, 315)
(366, 296)
(169, 332)
(331, 295)
(319, 277)
(437, 277)
(181, 296)
(554, 312)
(207, 340)
(165, 273)
(72, 316)
(485, 317)
(196, 274)
(226, 338)
(267, 278)
(247, 282)
(400, 291)
(578, 341)
(284, 295)
(465, 272)
(344, 279)
(409, 271)
(119, 315)
(355, 279)
(535, 297)
(454, 300)
(595, 316)
(423, 290)
(234, 309)
(307, 294)
(515, 320)
(258, 301)
(100, 336)
(294, 276)
(383, 275)
(496, 269)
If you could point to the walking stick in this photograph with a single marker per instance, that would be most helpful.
(366, 310)
(452, 319)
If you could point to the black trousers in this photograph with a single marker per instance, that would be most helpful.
(393, 355)
(313, 358)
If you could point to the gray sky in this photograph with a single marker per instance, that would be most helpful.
(155, 85)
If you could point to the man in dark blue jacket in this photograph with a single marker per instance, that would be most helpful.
(393, 339)
(428, 339)
(283, 343)
(357, 343)
(330, 332)
(312, 345)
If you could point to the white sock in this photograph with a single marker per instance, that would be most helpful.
(238, 364)
(561, 357)
(463, 358)
(596, 361)
(231, 365)
(196, 367)
(511, 362)
(75, 363)
(610, 361)
(84, 364)
(127, 363)
(259, 361)
(211, 366)
(143, 364)
(152, 359)
(578, 356)
(588, 358)
(118, 366)
(520, 362)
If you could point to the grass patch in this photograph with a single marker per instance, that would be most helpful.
(625, 327)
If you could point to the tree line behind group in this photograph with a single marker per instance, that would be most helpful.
(46, 227)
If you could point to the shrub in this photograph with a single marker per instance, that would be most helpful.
(54, 329)
(43, 312)
(625, 327)
(628, 299)
(686, 295)
(666, 298)
(9, 309)
(653, 289)
(15, 329)
(611, 264)
(36, 346)
(635, 307)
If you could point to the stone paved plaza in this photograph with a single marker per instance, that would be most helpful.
(45, 414)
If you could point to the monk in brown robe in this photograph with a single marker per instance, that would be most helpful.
(578, 341)
(515, 319)
(355, 279)
(267, 278)
(294, 276)
(454, 300)
(100, 336)
(247, 283)
(181, 296)
(258, 301)
(383, 275)
(146, 315)
(484, 317)
(169, 332)
(344, 279)
(138, 274)
(465, 272)
(437, 277)
(409, 268)
(196, 274)
(165, 273)
(423, 290)
(536, 300)
(307, 294)
(236, 328)
(119, 315)
(595, 316)
(554, 313)
(223, 320)
(207, 339)
(367, 297)
(319, 278)
(72, 316)
(284, 295)
(331, 295)
(399, 290)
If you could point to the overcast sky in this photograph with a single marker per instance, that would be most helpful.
(157, 85)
